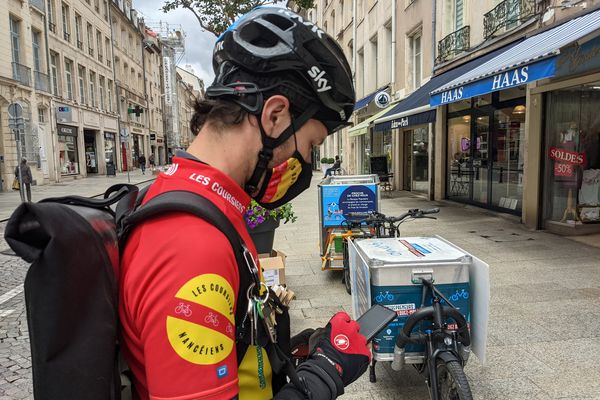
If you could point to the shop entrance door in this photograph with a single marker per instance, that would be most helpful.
(480, 154)
(508, 158)
(91, 157)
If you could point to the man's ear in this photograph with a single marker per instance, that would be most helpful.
(275, 115)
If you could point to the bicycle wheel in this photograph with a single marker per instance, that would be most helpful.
(452, 381)
(346, 262)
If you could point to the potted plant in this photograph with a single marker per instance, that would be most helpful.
(326, 163)
(261, 224)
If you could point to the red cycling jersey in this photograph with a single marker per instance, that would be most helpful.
(178, 286)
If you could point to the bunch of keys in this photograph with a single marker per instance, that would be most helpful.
(261, 309)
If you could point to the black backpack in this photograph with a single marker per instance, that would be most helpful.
(73, 244)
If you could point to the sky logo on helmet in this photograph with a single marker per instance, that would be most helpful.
(313, 27)
(318, 76)
(219, 46)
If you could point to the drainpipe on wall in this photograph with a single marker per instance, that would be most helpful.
(51, 115)
(393, 80)
(432, 126)
(354, 41)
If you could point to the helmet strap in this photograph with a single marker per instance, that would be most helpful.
(265, 155)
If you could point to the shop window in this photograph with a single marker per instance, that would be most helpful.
(572, 154)
(459, 157)
(420, 160)
(512, 93)
(459, 106)
(67, 152)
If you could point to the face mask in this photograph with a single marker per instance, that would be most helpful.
(284, 182)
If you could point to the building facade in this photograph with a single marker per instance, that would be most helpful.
(132, 106)
(82, 84)
(525, 144)
(24, 80)
(186, 98)
(154, 92)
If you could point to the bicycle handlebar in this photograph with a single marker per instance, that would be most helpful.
(374, 216)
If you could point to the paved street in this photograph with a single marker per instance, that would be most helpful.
(545, 314)
(91, 186)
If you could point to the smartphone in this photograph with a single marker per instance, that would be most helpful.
(375, 320)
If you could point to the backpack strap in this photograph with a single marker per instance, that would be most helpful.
(198, 205)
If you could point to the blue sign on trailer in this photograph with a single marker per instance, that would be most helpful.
(339, 200)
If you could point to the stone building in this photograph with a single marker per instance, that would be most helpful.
(154, 92)
(83, 119)
(24, 80)
(132, 106)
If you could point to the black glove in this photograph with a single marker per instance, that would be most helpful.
(341, 353)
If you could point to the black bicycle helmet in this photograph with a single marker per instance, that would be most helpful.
(275, 47)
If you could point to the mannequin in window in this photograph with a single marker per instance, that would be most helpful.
(569, 140)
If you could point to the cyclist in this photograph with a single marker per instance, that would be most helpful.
(281, 86)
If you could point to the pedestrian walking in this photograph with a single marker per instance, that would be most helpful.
(152, 162)
(26, 179)
(142, 161)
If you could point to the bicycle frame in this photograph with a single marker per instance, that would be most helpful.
(441, 343)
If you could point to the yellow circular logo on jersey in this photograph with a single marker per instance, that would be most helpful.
(201, 325)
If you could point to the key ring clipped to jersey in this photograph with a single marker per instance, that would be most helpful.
(252, 267)
(258, 299)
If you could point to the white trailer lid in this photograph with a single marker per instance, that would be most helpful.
(410, 250)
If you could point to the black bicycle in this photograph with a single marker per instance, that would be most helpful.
(378, 225)
(446, 350)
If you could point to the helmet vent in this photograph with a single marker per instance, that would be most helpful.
(278, 20)
(258, 35)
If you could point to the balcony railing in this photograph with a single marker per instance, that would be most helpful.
(39, 4)
(41, 81)
(453, 44)
(80, 45)
(67, 36)
(21, 73)
(52, 27)
(91, 52)
(507, 15)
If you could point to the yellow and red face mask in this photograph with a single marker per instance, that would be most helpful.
(284, 182)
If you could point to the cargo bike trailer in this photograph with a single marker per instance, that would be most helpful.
(431, 284)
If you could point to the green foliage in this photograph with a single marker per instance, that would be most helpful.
(326, 160)
(215, 16)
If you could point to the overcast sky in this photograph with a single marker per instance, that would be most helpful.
(198, 43)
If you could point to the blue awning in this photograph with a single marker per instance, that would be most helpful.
(532, 59)
(362, 103)
(415, 110)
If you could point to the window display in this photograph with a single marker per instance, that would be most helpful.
(572, 173)
(110, 155)
(486, 153)
(67, 153)
(420, 159)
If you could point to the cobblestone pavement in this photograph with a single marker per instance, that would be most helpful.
(544, 336)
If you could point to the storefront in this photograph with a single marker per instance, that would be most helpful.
(367, 144)
(68, 149)
(361, 139)
(572, 155)
(413, 122)
(91, 154)
(485, 155)
(519, 131)
(110, 150)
